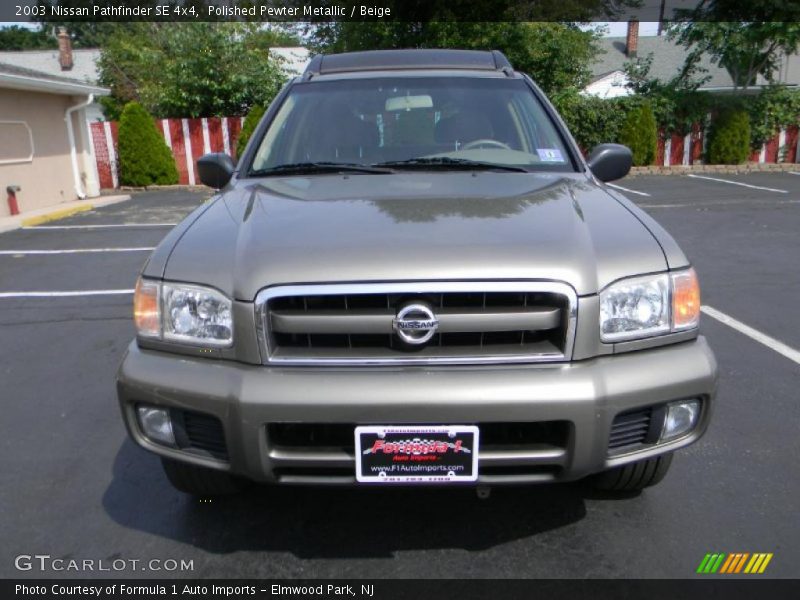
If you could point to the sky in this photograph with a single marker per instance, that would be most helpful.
(619, 29)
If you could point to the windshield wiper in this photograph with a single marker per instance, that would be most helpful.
(317, 167)
(448, 162)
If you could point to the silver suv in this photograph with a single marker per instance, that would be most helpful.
(412, 276)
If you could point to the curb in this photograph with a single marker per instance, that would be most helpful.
(59, 211)
(157, 188)
(56, 214)
(688, 169)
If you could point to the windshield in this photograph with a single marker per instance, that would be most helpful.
(412, 122)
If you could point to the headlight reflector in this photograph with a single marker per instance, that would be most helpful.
(634, 308)
(196, 315)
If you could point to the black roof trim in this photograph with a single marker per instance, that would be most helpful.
(393, 60)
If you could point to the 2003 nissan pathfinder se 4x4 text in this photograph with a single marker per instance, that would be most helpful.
(413, 276)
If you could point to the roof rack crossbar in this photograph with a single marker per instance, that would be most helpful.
(394, 60)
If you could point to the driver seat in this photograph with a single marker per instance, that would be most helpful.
(463, 127)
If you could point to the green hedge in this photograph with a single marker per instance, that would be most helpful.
(590, 119)
(250, 122)
(144, 158)
(640, 134)
(729, 138)
(595, 120)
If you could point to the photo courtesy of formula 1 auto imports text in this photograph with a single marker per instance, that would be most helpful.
(391, 299)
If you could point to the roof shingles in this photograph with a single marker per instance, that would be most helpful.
(668, 59)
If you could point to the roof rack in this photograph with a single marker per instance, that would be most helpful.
(396, 60)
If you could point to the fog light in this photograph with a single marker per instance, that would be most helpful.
(680, 419)
(156, 425)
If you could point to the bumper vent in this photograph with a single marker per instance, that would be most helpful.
(488, 322)
(323, 453)
(198, 431)
(634, 428)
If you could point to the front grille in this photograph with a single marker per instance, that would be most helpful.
(201, 432)
(635, 428)
(508, 452)
(478, 322)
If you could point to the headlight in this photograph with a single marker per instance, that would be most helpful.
(196, 315)
(651, 305)
(187, 314)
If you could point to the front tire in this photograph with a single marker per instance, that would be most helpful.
(200, 481)
(634, 477)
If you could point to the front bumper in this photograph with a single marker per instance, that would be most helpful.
(585, 395)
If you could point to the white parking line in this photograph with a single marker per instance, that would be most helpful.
(648, 206)
(706, 205)
(101, 226)
(75, 251)
(64, 294)
(624, 189)
(762, 338)
(747, 185)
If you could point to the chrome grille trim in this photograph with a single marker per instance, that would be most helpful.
(450, 320)
(426, 287)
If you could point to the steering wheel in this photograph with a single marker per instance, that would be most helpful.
(485, 142)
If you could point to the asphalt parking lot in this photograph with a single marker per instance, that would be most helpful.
(75, 487)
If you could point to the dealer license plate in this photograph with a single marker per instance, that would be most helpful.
(416, 453)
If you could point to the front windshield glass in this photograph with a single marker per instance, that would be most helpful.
(436, 122)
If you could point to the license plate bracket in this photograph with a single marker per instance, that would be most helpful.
(416, 453)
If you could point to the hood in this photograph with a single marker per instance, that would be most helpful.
(413, 227)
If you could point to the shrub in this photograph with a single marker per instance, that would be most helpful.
(639, 133)
(144, 158)
(729, 138)
(250, 122)
(590, 119)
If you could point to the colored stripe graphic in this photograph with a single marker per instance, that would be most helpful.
(727, 564)
(703, 563)
(737, 562)
(741, 562)
(717, 563)
(711, 563)
(765, 563)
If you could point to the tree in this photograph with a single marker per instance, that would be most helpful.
(89, 33)
(431, 11)
(677, 104)
(190, 69)
(22, 38)
(250, 123)
(555, 55)
(729, 138)
(144, 158)
(94, 33)
(744, 49)
(639, 133)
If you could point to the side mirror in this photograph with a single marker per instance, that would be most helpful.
(215, 169)
(610, 161)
